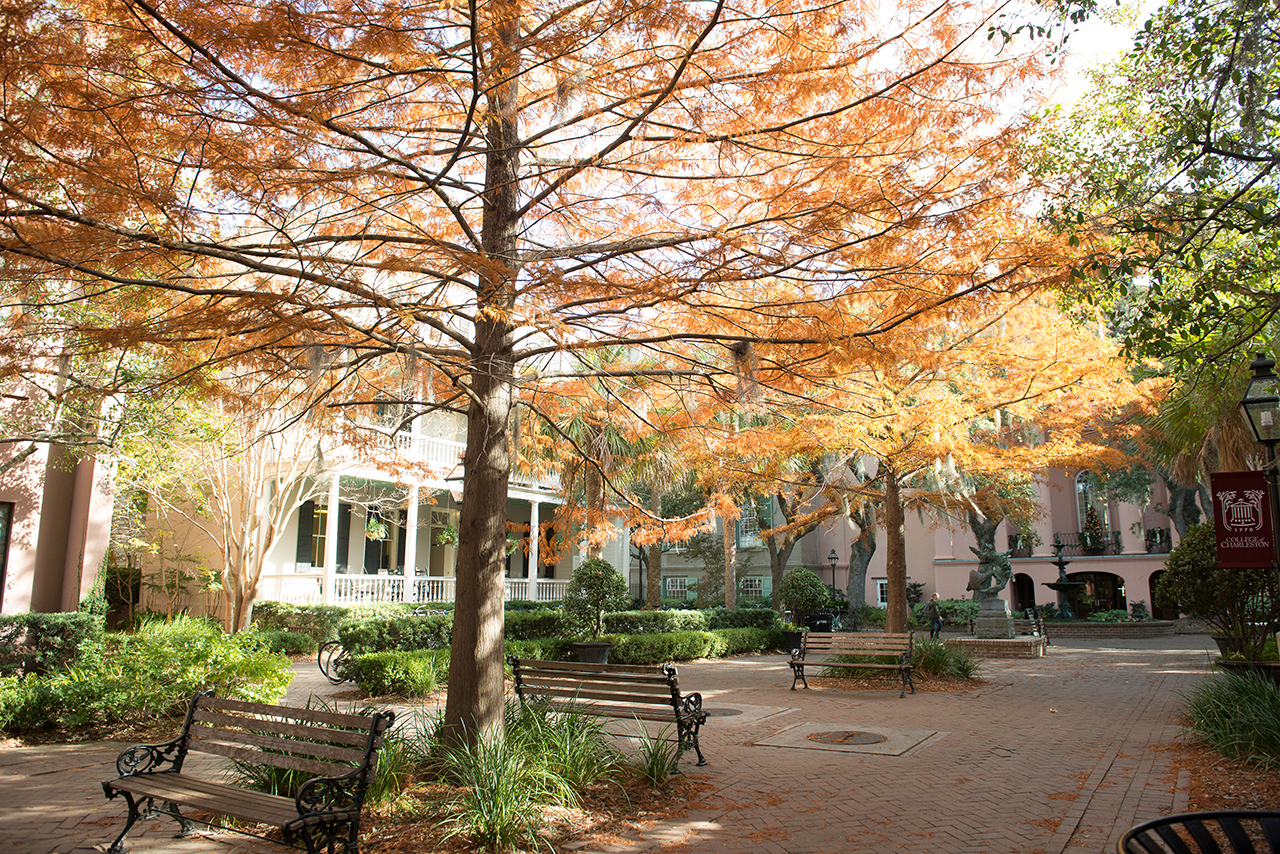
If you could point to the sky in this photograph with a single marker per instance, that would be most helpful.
(1103, 37)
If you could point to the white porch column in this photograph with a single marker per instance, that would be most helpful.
(1044, 525)
(331, 541)
(409, 569)
(1132, 539)
(531, 574)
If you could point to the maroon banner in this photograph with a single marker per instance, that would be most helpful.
(1242, 518)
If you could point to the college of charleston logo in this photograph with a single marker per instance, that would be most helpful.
(1242, 519)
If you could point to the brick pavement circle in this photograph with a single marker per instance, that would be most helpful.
(1056, 755)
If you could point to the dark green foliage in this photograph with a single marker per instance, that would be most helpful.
(936, 658)
(669, 646)
(954, 612)
(318, 621)
(1238, 603)
(915, 592)
(48, 643)
(871, 616)
(742, 618)
(547, 649)
(1138, 610)
(802, 592)
(1237, 716)
(410, 673)
(289, 643)
(595, 589)
(529, 625)
(522, 605)
(747, 641)
(146, 676)
(382, 633)
(651, 622)
(1115, 615)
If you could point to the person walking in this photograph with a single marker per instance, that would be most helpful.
(932, 611)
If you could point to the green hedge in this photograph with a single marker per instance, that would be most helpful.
(385, 632)
(654, 622)
(48, 643)
(529, 625)
(289, 643)
(318, 621)
(413, 673)
(742, 618)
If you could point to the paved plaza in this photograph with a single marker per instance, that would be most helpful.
(1053, 755)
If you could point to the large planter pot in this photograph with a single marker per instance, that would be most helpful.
(592, 652)
(1228, 644)
(1266, 669)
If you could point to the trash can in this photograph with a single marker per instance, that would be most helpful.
(819, 623)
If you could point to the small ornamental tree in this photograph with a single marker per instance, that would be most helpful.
(801, 592)
(1241, 604)
(595, 589)
(1093, 540)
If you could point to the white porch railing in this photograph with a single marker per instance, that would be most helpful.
(307, 588)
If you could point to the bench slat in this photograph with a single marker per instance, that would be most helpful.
(316, 716)
(219, 798)
(277, 760)
(644, 713)
(306, 732)
(571, 693)
(532, 664)
(337, 756)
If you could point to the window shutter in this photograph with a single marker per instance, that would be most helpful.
(344, 535)
(305, 514)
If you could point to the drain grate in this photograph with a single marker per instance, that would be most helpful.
(722, 713)
(847, 737)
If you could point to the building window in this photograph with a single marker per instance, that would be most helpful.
(753, 587)
(1087, 495)
(882, 592)
(319, 519)
(677, 588)
(756, 516)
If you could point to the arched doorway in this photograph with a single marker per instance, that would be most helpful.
(1102, 591)
(1022, 593)
(1156, 611)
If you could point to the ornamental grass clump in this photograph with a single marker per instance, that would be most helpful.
(1238, 716)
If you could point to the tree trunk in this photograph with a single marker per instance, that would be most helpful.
(861, 551)
(474, 702)
(653, 573)
(730, 568)
(895, 554)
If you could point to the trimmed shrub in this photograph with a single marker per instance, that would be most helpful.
(746, 641)
(802, 592)
(374, 633)
(741, 618)
(48, 643)
(318, 621)
(668, 646)
(954, 612)
(529, 625)
(654, 622)
(546, 649)
(412, 673)
(595, 589)
(289, 643)
(1116, 615)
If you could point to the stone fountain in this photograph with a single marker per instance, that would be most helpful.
(1062, 587)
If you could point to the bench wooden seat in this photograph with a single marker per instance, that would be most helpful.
(876, 651)
(632, 692)
(335, 753)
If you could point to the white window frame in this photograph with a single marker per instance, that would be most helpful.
(667, 587)
(882, 592)
(749, 522)
(752, 587)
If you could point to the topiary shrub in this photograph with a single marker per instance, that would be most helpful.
(596, 587)
(802, 592)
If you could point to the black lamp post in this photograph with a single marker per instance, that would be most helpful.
(833, 559)
(1261, 405)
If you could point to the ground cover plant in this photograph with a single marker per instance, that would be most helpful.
(1238, 716)
(930, 660)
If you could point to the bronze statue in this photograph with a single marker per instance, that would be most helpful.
(993, 573)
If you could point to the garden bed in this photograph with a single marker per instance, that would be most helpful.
(1131, 630)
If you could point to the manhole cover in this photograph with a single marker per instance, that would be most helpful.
(723, 713)
(847, 737)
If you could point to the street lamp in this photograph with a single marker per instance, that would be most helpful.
(1261, 405)
(833, 559)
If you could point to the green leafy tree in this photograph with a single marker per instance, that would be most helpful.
(802, 592)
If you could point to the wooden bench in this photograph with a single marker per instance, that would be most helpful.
(1033, 627)
(334, 755)
(874, 647)
(614, 691)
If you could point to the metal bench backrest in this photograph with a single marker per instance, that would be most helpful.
(619, 689)
(1237, 831)
(312, 741)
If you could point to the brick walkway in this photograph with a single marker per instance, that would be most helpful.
(1052, 756)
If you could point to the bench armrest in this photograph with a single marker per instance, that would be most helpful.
(151, 758)
(691, 705)
(332, 794)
